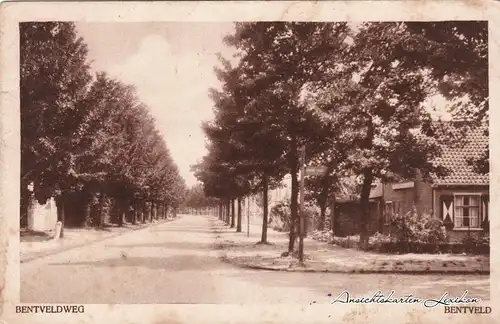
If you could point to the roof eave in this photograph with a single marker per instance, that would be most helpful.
(460, 185)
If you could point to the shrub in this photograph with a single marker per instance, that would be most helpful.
(476, 245)
(418, 228)
(378, 238)
(348, 242)
(448, 223)
(486, 225)
(485, 240)
(322, 236)
(469, 240)
(280, 213)
(312, 215)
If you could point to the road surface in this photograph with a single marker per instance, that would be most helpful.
(176, 262)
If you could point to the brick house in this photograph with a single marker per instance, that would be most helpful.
(461, 198)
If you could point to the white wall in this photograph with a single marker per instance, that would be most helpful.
(42, 217)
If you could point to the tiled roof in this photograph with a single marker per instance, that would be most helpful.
(456, 160)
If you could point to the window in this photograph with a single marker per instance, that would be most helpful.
(389, 211)
(396, 209)
(467, 211)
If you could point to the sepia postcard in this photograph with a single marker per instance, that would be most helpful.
(249, 162)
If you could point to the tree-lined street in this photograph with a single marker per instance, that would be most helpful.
(177, 262)
(328, 106)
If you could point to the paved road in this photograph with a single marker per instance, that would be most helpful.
(176, 263)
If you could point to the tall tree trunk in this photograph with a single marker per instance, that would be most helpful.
(265, 187)
(322, 217)
(232, 213)
(100, 210)
(224, 211)
(325, 189)
(150, 211)
(128, 212)
(121, 211)
(365, 207)
(293, 164)
(143, 211)
(25, 204)
(365, 192)
(135, 212)
(87, 209)
(228, 212)
(220, 210)
(332, 216)
(61, 215)
(30, 212)
(238, 224)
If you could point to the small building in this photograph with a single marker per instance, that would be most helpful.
(461, 198)
(42, 217)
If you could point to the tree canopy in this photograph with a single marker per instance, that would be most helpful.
(83, 133)
(354, 95)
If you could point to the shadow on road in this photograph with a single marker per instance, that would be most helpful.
(172, 263)
(183, 229)
(169, 245)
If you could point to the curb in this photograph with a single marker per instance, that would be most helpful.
(353, 271)
(76, 246)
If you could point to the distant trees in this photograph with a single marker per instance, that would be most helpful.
(352, 94)
(87, 140)
(197, 200)
(244, 151)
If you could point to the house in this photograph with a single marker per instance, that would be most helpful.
(346, 210)
(461, 198)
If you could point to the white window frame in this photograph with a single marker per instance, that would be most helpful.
(479, 212)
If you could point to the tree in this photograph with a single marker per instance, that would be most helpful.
(86, 139)
(457, 56)
(54, 78)
(196, 198)
(376, 95)
(276, 61)
(319, 190)
(217, 180)
(456, 52)
(239, 137)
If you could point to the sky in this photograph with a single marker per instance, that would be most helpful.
(171, 66)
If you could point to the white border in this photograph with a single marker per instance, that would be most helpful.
(12, 13)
